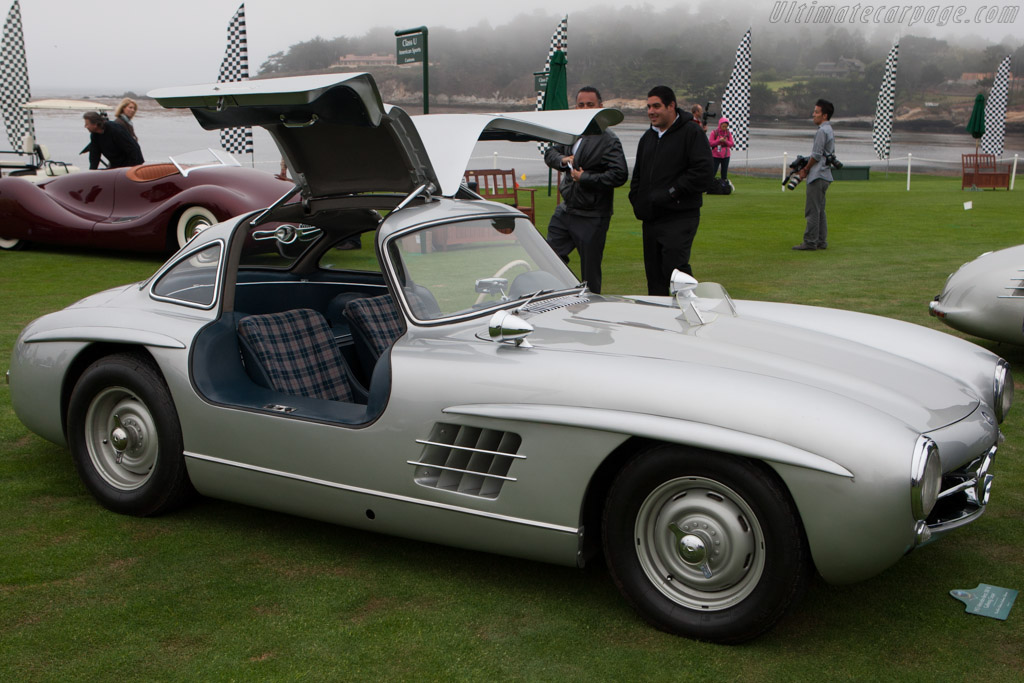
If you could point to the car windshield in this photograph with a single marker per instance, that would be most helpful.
(463, 267)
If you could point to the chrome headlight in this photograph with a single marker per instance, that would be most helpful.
(925, 478)
(1002, 387)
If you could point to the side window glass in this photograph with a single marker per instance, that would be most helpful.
(354, 253)
(193, 280)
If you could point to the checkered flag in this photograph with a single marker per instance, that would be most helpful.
(14, 90)
(995, 111)
(235, 67)
(881, 132)
(736, 99)
(559, 41)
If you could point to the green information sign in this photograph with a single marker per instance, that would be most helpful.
(986, 600)
(540, 81)
(409, 49)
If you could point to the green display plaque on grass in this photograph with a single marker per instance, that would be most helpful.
(986, 600)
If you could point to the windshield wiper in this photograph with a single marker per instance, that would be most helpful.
(582, 288)
(533, 296)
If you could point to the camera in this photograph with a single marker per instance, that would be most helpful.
(793, 177)
(707, 113)
(830, 160)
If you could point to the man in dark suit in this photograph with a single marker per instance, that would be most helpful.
(672, 171)
(591, 170)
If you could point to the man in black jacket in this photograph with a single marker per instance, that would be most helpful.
(673, 169)
(591, 170)
(110, 141)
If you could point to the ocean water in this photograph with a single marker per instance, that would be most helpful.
(163, 133)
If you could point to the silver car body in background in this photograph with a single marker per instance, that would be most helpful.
(985, 297)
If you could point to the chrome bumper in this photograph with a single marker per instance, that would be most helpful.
(965, 493)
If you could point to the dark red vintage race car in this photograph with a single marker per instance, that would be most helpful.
(153, 207)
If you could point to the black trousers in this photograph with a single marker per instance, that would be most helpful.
(585, 234)
(724, 163)
(667, 243)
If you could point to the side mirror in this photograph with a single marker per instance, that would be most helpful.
(682, 284)
(506, 326)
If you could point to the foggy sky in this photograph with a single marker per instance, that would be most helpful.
(81, 47)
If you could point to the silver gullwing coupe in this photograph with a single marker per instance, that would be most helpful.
(985, 297)
(457, 384)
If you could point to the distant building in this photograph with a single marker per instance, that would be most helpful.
(974, 77)
(353, 61)
(843, 67)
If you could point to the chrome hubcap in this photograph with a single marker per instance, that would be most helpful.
(121, 437)
(195, 226)
(699, 543)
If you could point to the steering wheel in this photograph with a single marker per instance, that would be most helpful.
(501, 271)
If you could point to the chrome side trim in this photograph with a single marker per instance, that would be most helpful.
(461, 470)
(382, 494)
(656, 427)
(466, 448)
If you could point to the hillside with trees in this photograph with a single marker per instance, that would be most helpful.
(626, 52)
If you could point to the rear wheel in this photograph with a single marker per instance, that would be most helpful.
(125, 437)
(191, 221)
(704, 545)
(11, 244)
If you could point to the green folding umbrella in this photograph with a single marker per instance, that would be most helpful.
(976, 124)
(556, 95)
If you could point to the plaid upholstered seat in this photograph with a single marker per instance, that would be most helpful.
(296, 354)
(376, 321)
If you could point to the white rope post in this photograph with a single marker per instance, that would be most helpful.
(909, 159)
(495, 162)
(1013, 173)
(785, 165)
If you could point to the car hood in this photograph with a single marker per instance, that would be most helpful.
(340, 138)
(914, 393)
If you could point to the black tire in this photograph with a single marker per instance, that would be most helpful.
(125, 437)
(673, 511)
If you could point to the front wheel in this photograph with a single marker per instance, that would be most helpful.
(191, 222)
(11, 244)
(125, 437)
(705, 545)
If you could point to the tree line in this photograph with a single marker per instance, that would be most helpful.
(626, 52)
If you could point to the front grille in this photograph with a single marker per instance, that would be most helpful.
(964, 492)
(467, 460)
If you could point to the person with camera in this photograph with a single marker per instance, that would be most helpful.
(700, 116)
(591, 170)
(721, 148)
(671, 173)
(818, 174)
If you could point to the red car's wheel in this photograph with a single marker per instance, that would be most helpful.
(11, 244)
(191, 221)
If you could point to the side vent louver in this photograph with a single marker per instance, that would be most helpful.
(467, 460)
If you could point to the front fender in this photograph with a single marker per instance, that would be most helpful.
(659, 428)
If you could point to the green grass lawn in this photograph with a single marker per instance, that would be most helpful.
(219, 591)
